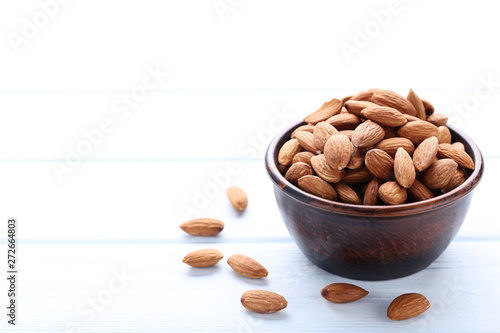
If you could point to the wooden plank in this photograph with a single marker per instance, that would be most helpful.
(161, 294)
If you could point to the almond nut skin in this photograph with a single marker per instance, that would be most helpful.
(407, 306)
(445, 150)
(391, 145)
(418, 131)
(344, 121)
(347, 194)
(370, 197)
(298, 170)
(237, 197)
(393, 100)
(322, 132)
(355, 107)
(262, 301)
(306, 141)
(367, 134)
(384, 116)
(288, 151)
(425, 153)
(327, 110)
(203, 258)
(444, 134)
(459, 177)
(318, 187)
(203, 227)
(392, 193)
(417, 104)
(419, 191)
(246, 266)
(439, 174)
(304, 156)
(438, 119)
(325, 171)
(380, 164)
(343, 293)
(338, 151)
(404, 171)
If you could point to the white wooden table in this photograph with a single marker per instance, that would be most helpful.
(101, 251)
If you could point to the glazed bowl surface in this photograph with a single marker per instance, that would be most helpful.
(372, 242)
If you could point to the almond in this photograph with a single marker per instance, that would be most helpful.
(419, 191)
(417, 104)
(346, 98)
(203, 227)
(325, 171)
(439, 174)
(306, 141)
(407, 306)
(246, 266)
(391, 145)
(445, 150)
(411, 118)
(370, 197)
(344, 110)
(355, 107)
(458, 145)
(418, 131)
(318, 187)
(444, 135)
(338, 151)
(347, 133)
(404, 170)
(327, 110)
(347, 194)
(384, 116)
(367, 134)
(357, 176)
(393, 100)
(429, 108)
(379, 163)
(344, 121)
(365, 95)
(203, 258)
(262, 301)
(237, 197)
(425, 153)
(357, 158)
(304, 156)
(458, 178)
(298, 170)
(322, 132)
(305, 128)
(343, 292)
(288, 151)
(392, 193)
(438, 119)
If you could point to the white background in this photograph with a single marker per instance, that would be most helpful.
(229, 74)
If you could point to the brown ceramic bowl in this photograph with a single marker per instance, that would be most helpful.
(372, 242)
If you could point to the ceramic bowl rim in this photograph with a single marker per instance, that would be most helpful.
(352, 209)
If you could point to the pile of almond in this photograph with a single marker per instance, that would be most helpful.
(375, 147)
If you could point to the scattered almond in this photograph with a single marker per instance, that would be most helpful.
(357, 176)
(444, 135)
(393, 100)
(370, 197)
(203, 258)
(344, 121)
(306, 141)
(384, 116)
(237, 197)
(407, 306)
(445, 150)
(391, 145)
(262, 301)
(343, 293)
(419, 191)
(380, 164)
(355, 107)
(303, 156)
(322, 132)
(456, 180)
(418, 131)
(203, 227)
(438, 119)
(246, 266)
